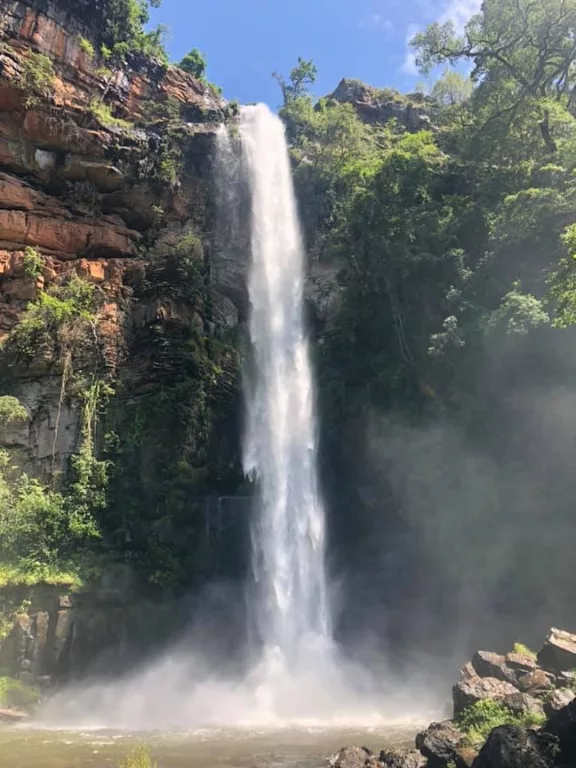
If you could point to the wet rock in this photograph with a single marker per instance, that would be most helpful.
(464, 757)
(468, 672)
(521, 662)
(566, 679)
(352, 757)
(512, 747)
(562, 724)
(558, 653)
(488, 664)
(524, 704)
(536, 682)
(439, 743)
(468, 692)
(399, 758)
(558, 700)
(12, 716)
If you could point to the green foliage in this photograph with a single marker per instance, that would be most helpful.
(138, 758)
(478, 720)
(124, 34)
(452, 88)
(37, 78)
(523, 650)
(194, 63)
(103, 113)
(518, 314)
(15, 694)
(11, 410)
(166, 121)
(563, 282)
(39, 540)
(86, 46)
(301, 76)
(59, 315)
(522, 54)
(33, 262)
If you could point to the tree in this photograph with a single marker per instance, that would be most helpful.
(523, 54)
(194, 63)
(301, 76)
(452, 88)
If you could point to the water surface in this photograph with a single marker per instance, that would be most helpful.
(226, 748)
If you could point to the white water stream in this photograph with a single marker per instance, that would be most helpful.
(288, 531)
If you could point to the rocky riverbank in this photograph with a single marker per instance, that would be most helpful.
(510, 711)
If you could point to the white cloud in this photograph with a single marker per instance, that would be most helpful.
(409, 64)
(458, 11)
(378, 22)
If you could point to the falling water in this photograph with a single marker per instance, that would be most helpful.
(280, 443)
(298, 677)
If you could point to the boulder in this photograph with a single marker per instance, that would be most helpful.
(558, 700)
(535, 682)
(562, 724)
(439, 743)
(558, 653)
(468, 672)
(488, 664)
(511, 747)
(524, 704)
(521, 662)
(566, 679)
(12, 716)
(468, 692)
(352, 757)
(399, 758)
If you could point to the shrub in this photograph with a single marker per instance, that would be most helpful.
(194, 63)
(103, 113)
(86, 46)
(478, 720)
(138, 758)
(37, 78)
(59, 314)
(11, 410)
(524, 650)
(33, 262)
(15, 694)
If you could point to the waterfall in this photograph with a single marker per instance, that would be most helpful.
(288, 531)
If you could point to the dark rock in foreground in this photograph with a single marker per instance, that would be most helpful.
(558, 653)
(562, 724)
(439, 743)
(353, 757)
(558, 700)
(398, 758)
(511, 747)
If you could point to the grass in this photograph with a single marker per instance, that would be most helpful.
(477, 721)
(86, 46)
(103, 113)
(522, 649)
(15, 694)
(12, 575)
(138, 758)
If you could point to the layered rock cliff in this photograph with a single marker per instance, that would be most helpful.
(107, 193)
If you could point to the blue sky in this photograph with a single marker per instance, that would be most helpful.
(244, 41)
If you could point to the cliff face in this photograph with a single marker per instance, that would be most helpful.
(107, 181)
